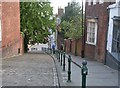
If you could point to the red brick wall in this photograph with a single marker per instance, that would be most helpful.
(68, 46)
(79, 46)
(73, 46)
(11, 37)
(100, 11)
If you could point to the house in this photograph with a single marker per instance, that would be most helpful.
(96, 29)
(113, 37)
(12, 40)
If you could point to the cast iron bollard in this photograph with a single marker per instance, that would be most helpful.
(84, 72)
(50, 51)
(58, 55)
(55, 54)
(69, 69)
(61, 58)
(45, 49)
(64, 61)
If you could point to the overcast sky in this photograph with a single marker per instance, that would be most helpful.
(60, 3)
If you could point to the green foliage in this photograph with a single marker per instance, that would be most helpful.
(72, 21)
(35, 19)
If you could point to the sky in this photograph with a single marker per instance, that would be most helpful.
(60, 3)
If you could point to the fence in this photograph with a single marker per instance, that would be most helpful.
(61, 57)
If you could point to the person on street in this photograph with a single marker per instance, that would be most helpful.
(53, 47)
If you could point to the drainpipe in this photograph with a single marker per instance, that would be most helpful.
(108, 11)
(83, 45)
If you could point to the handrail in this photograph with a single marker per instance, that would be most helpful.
(61, 58)
(74, 62)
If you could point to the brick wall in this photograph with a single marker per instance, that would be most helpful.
(100, 11)
(12, 41)
(73, 45)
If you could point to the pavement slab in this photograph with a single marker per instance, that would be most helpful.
(99, 75)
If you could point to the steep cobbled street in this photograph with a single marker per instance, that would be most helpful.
(29, 70)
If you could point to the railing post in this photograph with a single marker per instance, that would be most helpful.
(50, 51)
(69, 69)
(61, 58)
(84, 72)
(59, 55)
(64, 61)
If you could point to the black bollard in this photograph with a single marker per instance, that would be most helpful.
(58, 55)
(64, 61)
(84, 72)
(69, 69)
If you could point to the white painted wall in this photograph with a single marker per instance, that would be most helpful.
(38, 47)
(114, 11)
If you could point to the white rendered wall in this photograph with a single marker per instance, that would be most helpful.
(114, 11)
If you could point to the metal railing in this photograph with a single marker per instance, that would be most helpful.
(61, 57)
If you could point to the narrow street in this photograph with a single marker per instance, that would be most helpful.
(32, 69)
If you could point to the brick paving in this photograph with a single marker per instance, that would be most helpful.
(29, 70)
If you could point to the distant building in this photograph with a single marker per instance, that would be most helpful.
(96, 31)
(12, 41)
(60, 12)
(113, 37)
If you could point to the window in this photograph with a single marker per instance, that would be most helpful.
(116, 39)
(91, 32)
(101, 1)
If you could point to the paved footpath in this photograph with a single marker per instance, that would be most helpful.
(29, 70)
(98, 74)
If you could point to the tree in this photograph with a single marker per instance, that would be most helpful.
(35, 19)
(72, 21)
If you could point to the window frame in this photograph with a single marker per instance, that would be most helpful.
(115, 49)
(89, 32)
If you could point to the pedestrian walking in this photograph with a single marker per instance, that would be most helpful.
(62, 47)
(53, 47)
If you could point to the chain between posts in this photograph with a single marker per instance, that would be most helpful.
(61, 58)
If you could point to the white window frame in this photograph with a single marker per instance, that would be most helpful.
(114, 49)
(89, 32)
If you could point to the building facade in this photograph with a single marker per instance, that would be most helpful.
(96, 29)
(113, 37)
(12, 40)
